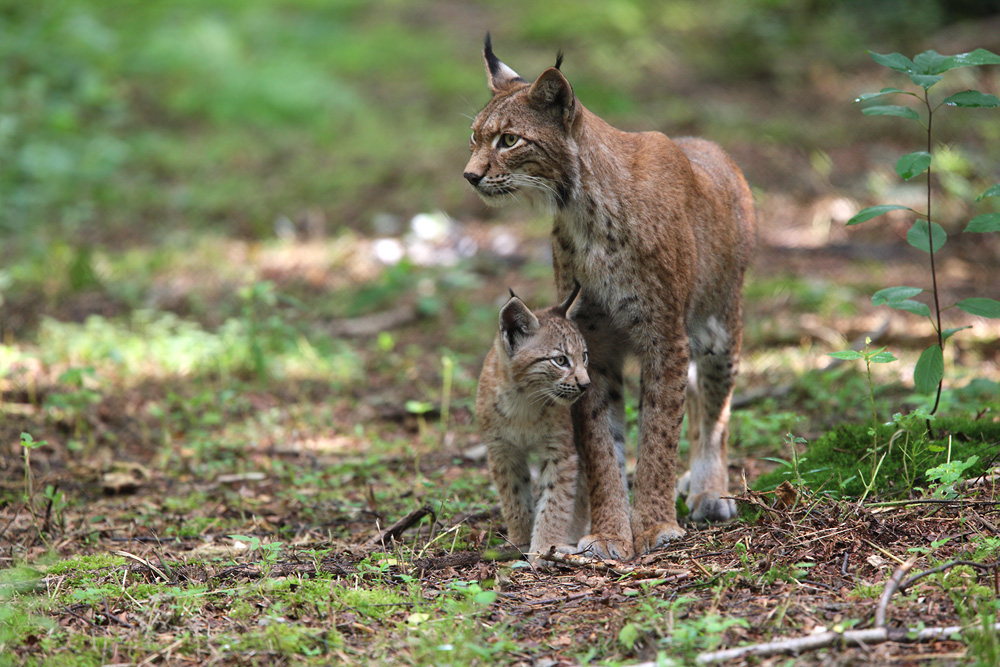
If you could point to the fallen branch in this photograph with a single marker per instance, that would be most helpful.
(826, 639)
(890, 588)
(989, 567)
(615, 567)
(401, 526)
(877, 635)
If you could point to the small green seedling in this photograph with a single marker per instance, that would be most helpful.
(926, 70)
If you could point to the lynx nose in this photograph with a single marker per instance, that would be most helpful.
(583, 385)
(473, 177)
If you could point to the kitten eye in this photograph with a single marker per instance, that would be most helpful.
(561, 361)
(509, 140)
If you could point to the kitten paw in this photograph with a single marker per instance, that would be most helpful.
(657, 537)
(709, 507)
(605, 546)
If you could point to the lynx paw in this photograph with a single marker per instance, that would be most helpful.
(605, 546)
(707, 506)
(657, 537)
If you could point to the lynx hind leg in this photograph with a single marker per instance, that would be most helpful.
(716, 355)
(512, 477)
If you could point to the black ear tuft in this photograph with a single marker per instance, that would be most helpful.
(566, 307)
(498, 74)
(559, 58)
(491, 60)
(511, 290)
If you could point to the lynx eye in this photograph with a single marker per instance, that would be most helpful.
(585, 359)
(509, 140)
(561, 361)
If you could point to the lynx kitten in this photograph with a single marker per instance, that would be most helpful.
(535, 370)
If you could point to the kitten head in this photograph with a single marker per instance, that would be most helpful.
(546, 354)
(522, 139)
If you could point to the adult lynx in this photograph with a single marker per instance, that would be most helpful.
(536, 368)
(659, 234)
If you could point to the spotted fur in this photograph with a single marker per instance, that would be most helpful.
(659, 234)
(535, 370)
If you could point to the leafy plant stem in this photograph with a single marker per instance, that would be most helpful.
(930, 243)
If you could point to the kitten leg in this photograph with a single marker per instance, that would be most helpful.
(509, 469)
(557, 480)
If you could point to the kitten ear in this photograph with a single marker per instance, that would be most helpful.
(551, 91)
(498, 75)
(517, 323)
(571, 305)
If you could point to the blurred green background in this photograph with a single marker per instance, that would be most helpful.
(131, 122)
(161, 155)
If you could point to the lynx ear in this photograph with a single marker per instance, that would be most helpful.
(498, 75)
(517, 323)
(552, 91)
(571, 305)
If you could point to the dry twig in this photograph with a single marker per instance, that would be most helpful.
(395, 530)
(617, 568)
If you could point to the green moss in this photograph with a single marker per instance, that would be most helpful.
(838, 460)
(85, 563)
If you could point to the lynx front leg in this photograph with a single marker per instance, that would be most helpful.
(599, 427)
(509, 470)
(664, 382)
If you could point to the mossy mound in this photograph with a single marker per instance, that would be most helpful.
(838, 460)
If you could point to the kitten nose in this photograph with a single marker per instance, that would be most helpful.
(473, 177)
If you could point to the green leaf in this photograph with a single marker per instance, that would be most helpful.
(896, 61)
(992, 191)
(911, 306)
(987, 222)
(925, 81)
(980, 306)
(972, 99)
(883, 357)
(885, 91)
(912, 164)
(929, 369)
(930, 62)
(920, 238)
(894, 294)
(948, 333)
(628, 635)
(875, 211)
(971, 59)
(847, 355)
(891, 110)
(484, 597)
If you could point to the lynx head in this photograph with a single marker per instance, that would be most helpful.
(546, 355)
(522, 139)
